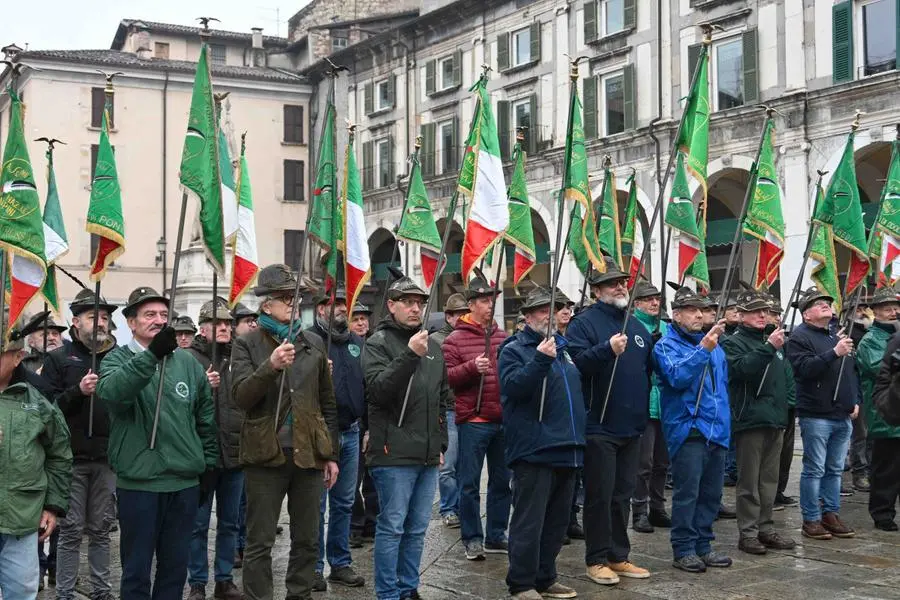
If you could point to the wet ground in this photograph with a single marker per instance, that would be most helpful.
(867, 566)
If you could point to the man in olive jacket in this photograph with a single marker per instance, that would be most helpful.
(34, 480)
(407, 436)
(158, 489)
(228, 480)
(875, 349)
(289, 435)
(760, 382)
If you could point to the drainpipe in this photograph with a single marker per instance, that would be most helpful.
(165, 139)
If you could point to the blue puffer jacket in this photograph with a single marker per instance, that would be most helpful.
(628, 408)
(679, 362)
(558, 440)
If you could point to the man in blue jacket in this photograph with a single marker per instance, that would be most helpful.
(817, 356)
(544, 448)
(614, 428)
(693, 402)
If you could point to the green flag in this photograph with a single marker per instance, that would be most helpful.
(886, 245)
(633, 233)
(56, 244)
(583, 243)
(823, 265)
(200, 177)
(694, 138)
(105, 218)
(521, 231)
(417, 223)
(325, 226)
(610, 236)
(576, 245)
(21, 229)
(764, 218)
(841, 212)
(681, 218)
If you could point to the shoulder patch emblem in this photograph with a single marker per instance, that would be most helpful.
(181, 388)
(779, 354)
(354, 350)
(639, 341)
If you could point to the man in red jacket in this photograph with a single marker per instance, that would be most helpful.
(479, 422)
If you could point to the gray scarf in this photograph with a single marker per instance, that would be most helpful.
(340, 333)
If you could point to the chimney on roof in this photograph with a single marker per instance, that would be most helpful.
(257, 37)
(11, 52)
(144, 53)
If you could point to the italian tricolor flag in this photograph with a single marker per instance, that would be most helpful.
(245, 262)
(229, 189)
(481, 178)
(885, 248)
(357, 264)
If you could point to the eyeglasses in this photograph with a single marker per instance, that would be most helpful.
(411, 301)
(286, 300)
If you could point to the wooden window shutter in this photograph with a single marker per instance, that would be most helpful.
(629, 89)
(693, 57)
(590, 21)
(368, 153)
(369, 98)
(429, 77)
(503, 51)
(427, 159)
(842, 41)
(455, 146)
(533, 134)
(391, 169)
(751, 70)
(629, 14)
(535, 35)
(457, 68)
(589, 94)
(503, 129)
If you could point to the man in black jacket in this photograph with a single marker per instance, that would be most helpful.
(41, 341)
(227, 480)
(68, 371)
(408, 435)
(345, 350)
(825, 411)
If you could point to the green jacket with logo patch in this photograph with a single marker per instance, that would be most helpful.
(760, 381)
(35, 460)
(186, 439)
(869, 356)
(650, 323)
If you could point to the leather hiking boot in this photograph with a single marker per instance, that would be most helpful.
(861, 483)
(226, 590)
(814, 530)
(886, 525)
(659, 518)
(318, 584)
(602, 574)
(627, 569)
(751, 545)
(346, 576)
(716, 560)
(198, 592)
(558, 590)
(776, 542)
(575, 531)
(528, 595)
(641, 524)
(832, 522)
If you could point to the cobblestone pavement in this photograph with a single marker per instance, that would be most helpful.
(867, 566)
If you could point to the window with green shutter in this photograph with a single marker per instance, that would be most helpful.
(693, 56)
(447, 139)
(427, 152)
(590, 22)
(502, 51)
(750, 62)
(533, 136)
(535, 35)
(629, 14)
(430, 85)
(842, 41)
(629, 87)
(503, 129)
(612, 88)
(369, 98)
(589, 98)
(880, 30)
(368, 160)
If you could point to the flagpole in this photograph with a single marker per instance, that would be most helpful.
(657, 211)
(607, 162)
(451, 211)
(333, 72)
(351, 132)
(798, 283)
(214, 346)
(735, 243)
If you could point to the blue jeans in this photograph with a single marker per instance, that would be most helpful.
(228, 491)
(405, 495)
(340, 504)
(825, 443)
(242, 521)
(19, 566)
(155, 523)
(697, 471)
(477, 440)
(447, 479)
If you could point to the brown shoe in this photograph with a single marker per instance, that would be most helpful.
(751, 545)
(226, 590)
(776, 542)
(832, 522)
(814, 530)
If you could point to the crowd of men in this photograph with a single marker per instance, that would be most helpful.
(248, 408)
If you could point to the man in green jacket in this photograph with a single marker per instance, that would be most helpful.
(35, 472)
(289, 437)
(873, 348)
(407, 435)
(648, 506)
(760, 381)
(159, 488)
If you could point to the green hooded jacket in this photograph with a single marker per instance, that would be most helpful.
(649, 322)
(186, 439)
(868, 360)
(760, 381)
(35, 460)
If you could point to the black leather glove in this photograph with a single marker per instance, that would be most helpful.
(163, 343)
(208, 482)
